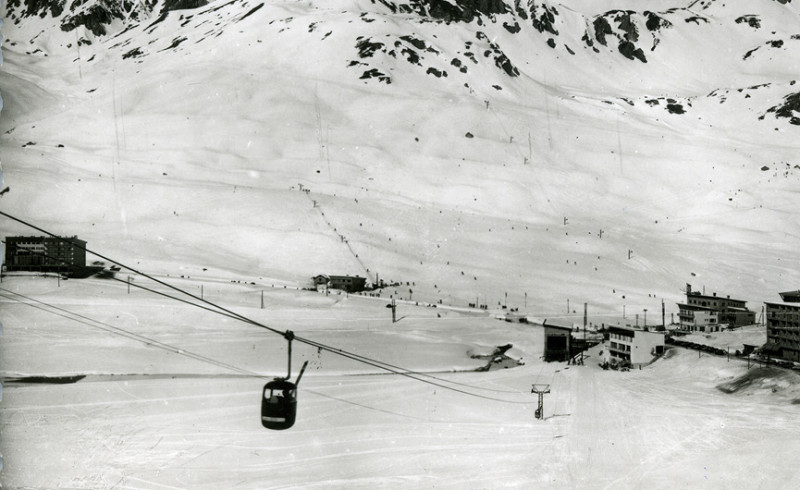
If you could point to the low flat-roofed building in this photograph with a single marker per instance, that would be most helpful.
(697, 318)
(632, 345)
(708, 313)
(351, 284)
(557, 340)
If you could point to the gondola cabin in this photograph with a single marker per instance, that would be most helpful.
(279, 404)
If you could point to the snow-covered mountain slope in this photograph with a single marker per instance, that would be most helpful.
(472, 148)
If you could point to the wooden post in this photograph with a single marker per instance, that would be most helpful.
(262, 299)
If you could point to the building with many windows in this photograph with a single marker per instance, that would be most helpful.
(702, 313)
(44, 254)
(783, 327)
(351, 284)
(632, 345)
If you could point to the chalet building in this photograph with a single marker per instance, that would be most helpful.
(350, 284)
(783, 327)
(703, 313)
(44, 254)
(632, 345)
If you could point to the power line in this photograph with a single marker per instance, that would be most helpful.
(349, 355)
(170, 348)
(343, 353)
(77, 317)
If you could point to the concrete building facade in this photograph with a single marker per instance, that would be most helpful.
(44, 254)
(783, 327)
(638, 347)
(703, 313)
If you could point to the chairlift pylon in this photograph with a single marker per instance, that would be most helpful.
(279, 396)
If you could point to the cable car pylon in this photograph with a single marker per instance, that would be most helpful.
(279, 396)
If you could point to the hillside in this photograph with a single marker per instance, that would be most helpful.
(542, 154)
(473, 150)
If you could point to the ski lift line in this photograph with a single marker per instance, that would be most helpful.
(414, 375)
(393, 369)
(77, 317)
(133, 336)
(148, 276)
(410, 374)
(340, 352)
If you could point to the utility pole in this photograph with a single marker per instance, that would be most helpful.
(645, 318)
(585, 318)
(567, 306)
(129, 284)
(262, 299)
(541, 390)
(393, 306)
(663, 315)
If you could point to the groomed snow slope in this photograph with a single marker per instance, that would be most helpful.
(148, 418)
(263, 144)
(187, 137)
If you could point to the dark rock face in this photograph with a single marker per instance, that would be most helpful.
(95, 15)
(675, 108)
(170, 5)
(464, 11)
(543, 18)
(36, 8)
(751, 20)
(374, 73)
(95, 19)
(629, 28)
(366, 48)
(630, 51)
(791, 104)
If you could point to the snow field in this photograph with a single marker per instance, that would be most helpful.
(149, 418)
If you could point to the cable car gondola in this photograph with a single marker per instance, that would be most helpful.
(279, 397)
